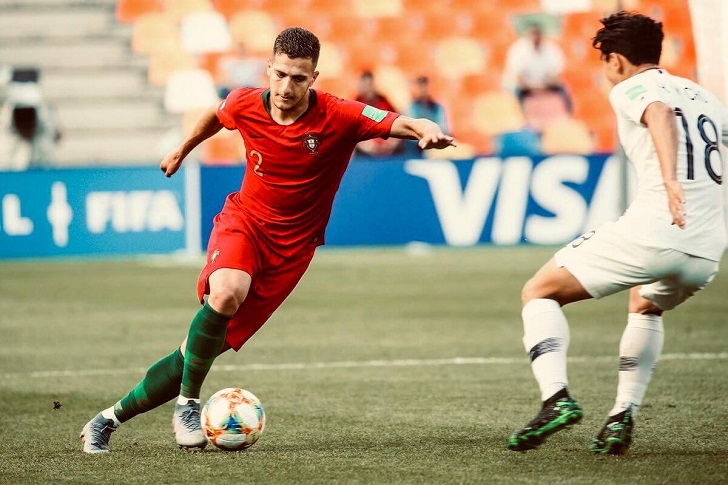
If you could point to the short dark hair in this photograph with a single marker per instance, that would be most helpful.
(298, 43)
(633, 35)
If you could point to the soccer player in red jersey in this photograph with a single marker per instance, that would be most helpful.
(298, 142)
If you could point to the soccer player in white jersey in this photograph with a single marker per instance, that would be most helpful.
(665, 247)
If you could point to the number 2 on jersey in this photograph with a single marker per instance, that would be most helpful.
(710, 146)
(256, 169)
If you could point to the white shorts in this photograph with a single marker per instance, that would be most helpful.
(610, 260)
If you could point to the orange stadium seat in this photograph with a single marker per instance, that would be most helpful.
(475, 84)
(346, 28)
(607, 7)
(497, 112)
(567, 135)
(441, 25)
(127, 11)
(459, 56)
(518, 6)
(580, 26)
(363, 54)
(605, 134)
(415, 57)
(230, 7)
(377, 8)
(423, 6)
(327, 7)
(256, 30)
(154, 33)
(163, 64)
(180, 8)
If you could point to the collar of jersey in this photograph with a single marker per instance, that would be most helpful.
(311, 102)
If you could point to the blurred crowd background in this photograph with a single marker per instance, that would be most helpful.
(108, 82)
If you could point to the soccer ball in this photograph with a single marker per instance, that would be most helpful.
(233, 419)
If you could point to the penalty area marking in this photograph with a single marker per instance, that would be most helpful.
(352, 364)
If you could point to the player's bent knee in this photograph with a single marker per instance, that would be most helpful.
(532, 290)
(228, 290)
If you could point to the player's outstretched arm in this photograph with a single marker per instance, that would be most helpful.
(428, 133)
(660, 121)
(206, 126)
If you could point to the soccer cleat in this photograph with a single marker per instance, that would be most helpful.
(615, 436)
(96, 434)
(187, 428)
(558, 412)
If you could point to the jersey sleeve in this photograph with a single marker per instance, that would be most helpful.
(366, 122)
(229, 107)
(632, 97)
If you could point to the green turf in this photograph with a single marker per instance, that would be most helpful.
(356, 424)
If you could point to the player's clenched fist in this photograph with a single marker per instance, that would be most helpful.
(171, 163)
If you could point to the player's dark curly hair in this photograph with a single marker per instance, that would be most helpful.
(633, 35)
(298, 43)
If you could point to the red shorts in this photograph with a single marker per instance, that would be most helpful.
(237, 243)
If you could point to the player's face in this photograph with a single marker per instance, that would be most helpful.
(613, 69)
(289, 80)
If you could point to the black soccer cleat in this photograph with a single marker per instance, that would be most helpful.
(559, 412)
(615, 436)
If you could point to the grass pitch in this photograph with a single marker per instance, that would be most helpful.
(357, 372)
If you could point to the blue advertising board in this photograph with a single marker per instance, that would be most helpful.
(546, 200)
(91, 212)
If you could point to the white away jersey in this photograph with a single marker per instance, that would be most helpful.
(701, 122)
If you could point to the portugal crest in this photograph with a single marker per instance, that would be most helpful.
(311, 142)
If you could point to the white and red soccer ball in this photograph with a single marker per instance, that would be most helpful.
(233, 419)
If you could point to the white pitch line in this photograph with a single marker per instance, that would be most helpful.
(352, 364)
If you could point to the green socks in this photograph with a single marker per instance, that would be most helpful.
(204, 342)
(160, 384)
(174, 375)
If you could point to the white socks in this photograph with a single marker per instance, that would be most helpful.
(546, 339)
(181, 400)
(110, 414)
(639, 350)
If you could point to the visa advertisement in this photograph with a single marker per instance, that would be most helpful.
(115, 211)
(548, 200)
(488, 200)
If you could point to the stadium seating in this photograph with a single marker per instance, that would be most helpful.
(129, 11)
(161, 66)
(202, 32)
(456, 57)
(497, 112)
(254, 29)
(180, 8)
(154, 33)
(459, 44)
(189, 89)
(567, 136)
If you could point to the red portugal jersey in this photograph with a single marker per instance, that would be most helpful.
(293, 172)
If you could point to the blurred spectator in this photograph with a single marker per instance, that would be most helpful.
(424, 106)
(240, 70)
(367, 93)
(28, 132)
(534, 65)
